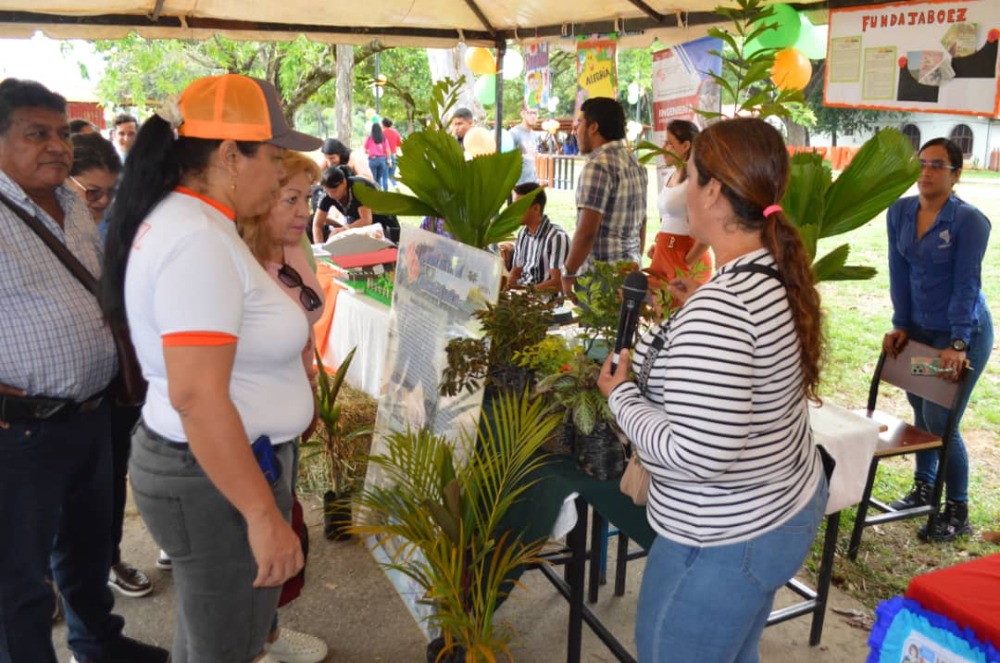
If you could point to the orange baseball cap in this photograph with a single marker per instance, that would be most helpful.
(235, 107)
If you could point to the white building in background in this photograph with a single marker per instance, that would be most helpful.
(979, 137)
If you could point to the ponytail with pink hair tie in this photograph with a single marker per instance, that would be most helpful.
(771, 209)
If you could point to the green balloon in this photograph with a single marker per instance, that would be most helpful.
(812, 40)
(786, 30)
(486, 89)
(752, 47)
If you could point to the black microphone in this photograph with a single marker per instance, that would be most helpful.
(633, 293)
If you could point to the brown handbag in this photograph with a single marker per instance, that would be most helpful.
(635, 480)
(128, 387)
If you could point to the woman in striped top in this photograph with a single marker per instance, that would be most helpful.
(718, 412)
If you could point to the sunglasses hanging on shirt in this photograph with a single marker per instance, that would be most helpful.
(291, 278)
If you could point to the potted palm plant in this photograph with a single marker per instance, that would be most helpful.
(335, 445)
(441, 521)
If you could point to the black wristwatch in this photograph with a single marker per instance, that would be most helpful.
(959, 345)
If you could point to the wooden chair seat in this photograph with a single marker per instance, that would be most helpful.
(898, 437)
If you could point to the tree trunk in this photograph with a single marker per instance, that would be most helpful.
(450, 63)
(345, 94)
(796, 133)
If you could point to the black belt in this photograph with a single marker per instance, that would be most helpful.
(40, 408)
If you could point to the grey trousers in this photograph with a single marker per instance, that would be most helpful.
(221, 618)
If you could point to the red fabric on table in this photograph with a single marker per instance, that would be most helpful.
(967, 593)
(380, 257)
(326, 273)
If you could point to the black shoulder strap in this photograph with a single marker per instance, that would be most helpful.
(75, 267)
(759, 269)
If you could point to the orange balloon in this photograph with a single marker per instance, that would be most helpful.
(792, 70)
(480, 61)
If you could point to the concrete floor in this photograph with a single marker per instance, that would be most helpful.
(349, 603)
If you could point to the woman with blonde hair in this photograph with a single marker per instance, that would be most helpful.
(278, 241)
(718, 412)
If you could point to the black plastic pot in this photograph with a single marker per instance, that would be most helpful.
(600, 454)
(434, 647)
(336, 515)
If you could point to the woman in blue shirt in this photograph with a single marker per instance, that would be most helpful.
(936, 248)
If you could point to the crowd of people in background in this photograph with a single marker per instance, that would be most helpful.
(197, 224)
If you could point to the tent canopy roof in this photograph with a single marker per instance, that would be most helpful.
(393, 22)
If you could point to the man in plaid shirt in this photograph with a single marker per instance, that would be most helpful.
(610, 195)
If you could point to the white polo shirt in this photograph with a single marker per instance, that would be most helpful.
(190, 281)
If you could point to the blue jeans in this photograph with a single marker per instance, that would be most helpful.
(712, 603)
(55, 509)
(380, 171)
(931, 416)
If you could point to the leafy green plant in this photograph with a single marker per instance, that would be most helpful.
(467, 194)
(746, 76)
(441, 522)
(599, 298)
(519, 319)
(882, 170)
(329, 438)
(572, 390)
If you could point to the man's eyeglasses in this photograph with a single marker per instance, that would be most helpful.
(310, 300)
(936, 164)
(95, 193)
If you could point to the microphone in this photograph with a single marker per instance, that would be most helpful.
(633, 293)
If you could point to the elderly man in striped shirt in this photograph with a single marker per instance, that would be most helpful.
(540, 248)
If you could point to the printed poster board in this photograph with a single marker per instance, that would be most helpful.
(537, 78)
(439, 284)
(933, 57)
(681, 85)
(596, 68)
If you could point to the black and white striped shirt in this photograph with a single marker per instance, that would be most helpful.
(723, 428)
(539, 254)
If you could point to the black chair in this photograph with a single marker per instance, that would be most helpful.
(897, 437)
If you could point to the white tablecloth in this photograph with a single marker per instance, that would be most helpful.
(362, 322)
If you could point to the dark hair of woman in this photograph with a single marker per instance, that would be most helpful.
(377, 135)
(94, 151)
(747, 156)
(334, 176)
(333, 146)
(955, 155)
(684, 132)
(154, 168)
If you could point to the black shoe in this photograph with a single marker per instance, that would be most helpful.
(126, 650)
(950, 524)
(921, 495)
(129, 581)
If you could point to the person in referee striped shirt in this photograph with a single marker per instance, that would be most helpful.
(718, 413)
(540, 248)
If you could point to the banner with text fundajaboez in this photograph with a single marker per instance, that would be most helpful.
(933, 57)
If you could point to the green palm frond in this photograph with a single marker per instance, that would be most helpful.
(442, 524)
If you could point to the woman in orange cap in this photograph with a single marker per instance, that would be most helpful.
(220, 345)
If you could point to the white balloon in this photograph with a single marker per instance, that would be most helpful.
(553, 104)
(633, 90)
(633, 98)
(513, 65)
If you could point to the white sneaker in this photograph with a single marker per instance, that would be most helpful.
(295, 647)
